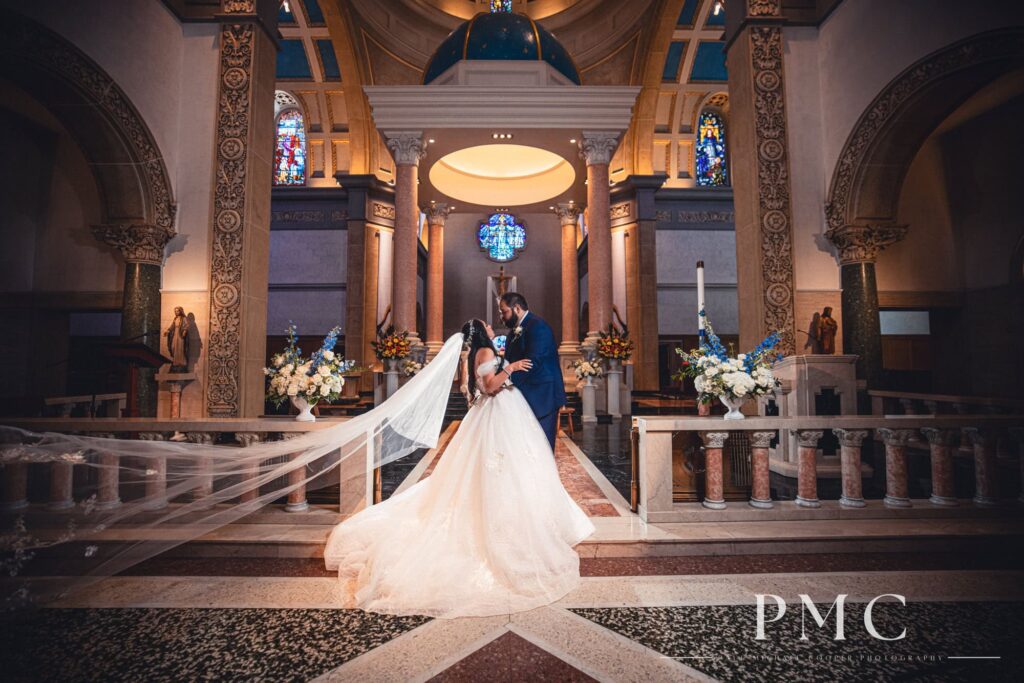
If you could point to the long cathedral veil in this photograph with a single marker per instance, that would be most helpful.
(207, 485)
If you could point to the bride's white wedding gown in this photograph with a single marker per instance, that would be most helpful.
(490, 531)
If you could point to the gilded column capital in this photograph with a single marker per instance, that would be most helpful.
(567, 214)
(598, 147)
(137, 242)
(860, 243)
(437, 214)
(406, 147)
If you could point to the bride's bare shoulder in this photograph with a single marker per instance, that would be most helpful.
(483, 355)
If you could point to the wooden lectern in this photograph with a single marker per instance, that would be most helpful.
(136, 355)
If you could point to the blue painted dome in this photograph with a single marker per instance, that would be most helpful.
(501, 36)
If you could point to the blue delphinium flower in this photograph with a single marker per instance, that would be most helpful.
(328, 345)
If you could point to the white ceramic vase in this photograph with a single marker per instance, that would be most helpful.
(733, 404)
(305, 409)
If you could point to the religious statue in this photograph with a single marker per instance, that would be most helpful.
(501, 282)
(825, 334)
(177, 341)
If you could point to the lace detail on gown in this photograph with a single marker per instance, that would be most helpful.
(491, 531)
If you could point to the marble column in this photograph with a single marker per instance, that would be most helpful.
(714, 484)
(108, 494)
(155, 475)
(204, 466)
(807, 468)
(252, 468)
(407, 148)
(760, 492)
(941, 443)
(15, 486)
(850, 443)
(297, 497)
(436, 216)
(61, 480)
(142, 247)
(597, 149)
(858, 248)
(569, 350)
(985, 475)
(895, 440)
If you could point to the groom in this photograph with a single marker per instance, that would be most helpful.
(530, 337)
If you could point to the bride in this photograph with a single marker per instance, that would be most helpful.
(490, 531)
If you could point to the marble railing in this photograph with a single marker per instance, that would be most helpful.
(94, 404)
(940, 435)
(241, 431)
(889, 402)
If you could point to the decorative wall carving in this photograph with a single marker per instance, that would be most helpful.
(233, 122)
(774, 211)
(663, 216)
(868, 134)
(620, 210)
(385, 211)
(763, 8)
(137, 242)
(706, 216)
(23, 39)
(859, 243)
(297, 216)
(339, 215)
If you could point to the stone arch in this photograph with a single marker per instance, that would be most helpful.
(868, 176)
(122, 153)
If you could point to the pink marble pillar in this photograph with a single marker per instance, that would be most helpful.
(155, 475)
(204, 466)
(108, 496)
(850, 444)
(297, 498)
(15, 491)
(895, 440)
(61, 480)
(760, 492)
(436, 216)
(597, 149)
(407, 148)
(940, 442)
(985, 474)
(807, 468)
(250, 466)
(713, 478)
(568, 216)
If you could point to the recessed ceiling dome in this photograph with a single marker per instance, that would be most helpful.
(501, 36)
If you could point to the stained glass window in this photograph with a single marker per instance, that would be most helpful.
(502, 236)
(501, 6)
(711, 163)
(290, 149)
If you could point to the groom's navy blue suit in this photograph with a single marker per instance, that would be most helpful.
(542, 386)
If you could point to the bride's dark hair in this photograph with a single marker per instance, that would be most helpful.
(474, 338)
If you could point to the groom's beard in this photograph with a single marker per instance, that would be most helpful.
(512, 322)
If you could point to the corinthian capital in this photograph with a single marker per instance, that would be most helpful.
(567, 213)
(598, 147)
(859, 243)
(437, 214)
(407, 147)
(137, 242)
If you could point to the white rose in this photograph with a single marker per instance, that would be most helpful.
(325, 389)
(329, 355)
(324, 370)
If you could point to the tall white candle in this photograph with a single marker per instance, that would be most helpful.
(700, 295)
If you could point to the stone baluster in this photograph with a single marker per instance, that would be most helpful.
(15, 491)
(156, 475)
(251, 469)
(204, 468)
(1017, 434)
(108, 495)
(714, 497)
(932, 407)
(909, 408)
(760, 492)
(850, 444)
(895, 440)
(985, 475)
(297, 498)
(61, 480)
(807, 468)
(940, 442)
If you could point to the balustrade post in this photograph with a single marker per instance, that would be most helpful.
(204, 466)
(655, 474)
(940, 442)
(895, 440)
(251, 469)
(984, 466)
(714, 497)
(15, 476)
(760, 491)
(156, 475)
(850, 444)
(297, 498)
(61, 479)
(807, 468)
(108, 491)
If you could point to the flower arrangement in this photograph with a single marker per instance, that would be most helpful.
(587, 368)
(316, 379)
(716, 374)
(411, 367)
(391, 344)
(615, 344)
